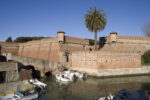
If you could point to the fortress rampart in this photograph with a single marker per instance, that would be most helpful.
(141, 42)
(52, 49)
(115, 51)
(6, 47)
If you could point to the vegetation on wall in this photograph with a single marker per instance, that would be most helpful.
(146, 58)
(25, 39)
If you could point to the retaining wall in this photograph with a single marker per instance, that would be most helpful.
(11, 69)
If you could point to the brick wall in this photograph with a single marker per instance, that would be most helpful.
(51, 49)
(130, 40)
(46, 49)
(123, 48)
(104, 60)
(9, 47)
(76, 40)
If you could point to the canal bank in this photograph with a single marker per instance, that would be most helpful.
(143, 70)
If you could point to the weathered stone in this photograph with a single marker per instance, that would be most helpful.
(11, 69)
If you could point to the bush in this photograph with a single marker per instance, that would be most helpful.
(145, 59)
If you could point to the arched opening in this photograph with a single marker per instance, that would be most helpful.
(28, 72)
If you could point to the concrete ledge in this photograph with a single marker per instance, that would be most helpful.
(115, 72)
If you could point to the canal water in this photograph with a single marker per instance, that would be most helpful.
(92, 88)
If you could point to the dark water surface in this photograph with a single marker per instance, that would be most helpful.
(93, 88)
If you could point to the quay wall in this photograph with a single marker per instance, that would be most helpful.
(105, 64)
(115, 72)
(11, 69)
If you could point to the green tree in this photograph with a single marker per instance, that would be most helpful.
(95, 21)
(9, 39)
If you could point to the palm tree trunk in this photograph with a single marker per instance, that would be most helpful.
(95, 44)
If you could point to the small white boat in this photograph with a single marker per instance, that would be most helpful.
(79, 75)
(110, 97)
(37, 83)
(68, 75)
(61, 77)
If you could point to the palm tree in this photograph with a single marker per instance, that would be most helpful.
(95, 21)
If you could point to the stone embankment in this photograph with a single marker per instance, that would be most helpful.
(115, 72)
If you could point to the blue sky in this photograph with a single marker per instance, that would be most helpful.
(46, 17)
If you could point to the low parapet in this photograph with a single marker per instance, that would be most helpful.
(9, 47)
(114, 37)
(9, 44)
(76, 40)
(132, 38)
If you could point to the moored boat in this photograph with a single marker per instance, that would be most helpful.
(109, 97)
(62, 78)
(68, 75)
(37, 83)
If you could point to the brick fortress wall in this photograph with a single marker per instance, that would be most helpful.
(46, 49)
(9, 47)
(114, 52)
(104, 60)
(125, 43)
(52, 49)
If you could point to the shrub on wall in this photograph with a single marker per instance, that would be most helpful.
(145, 59)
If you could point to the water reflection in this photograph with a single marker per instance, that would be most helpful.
(93, 88)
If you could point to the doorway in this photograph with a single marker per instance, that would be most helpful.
(2, 76)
